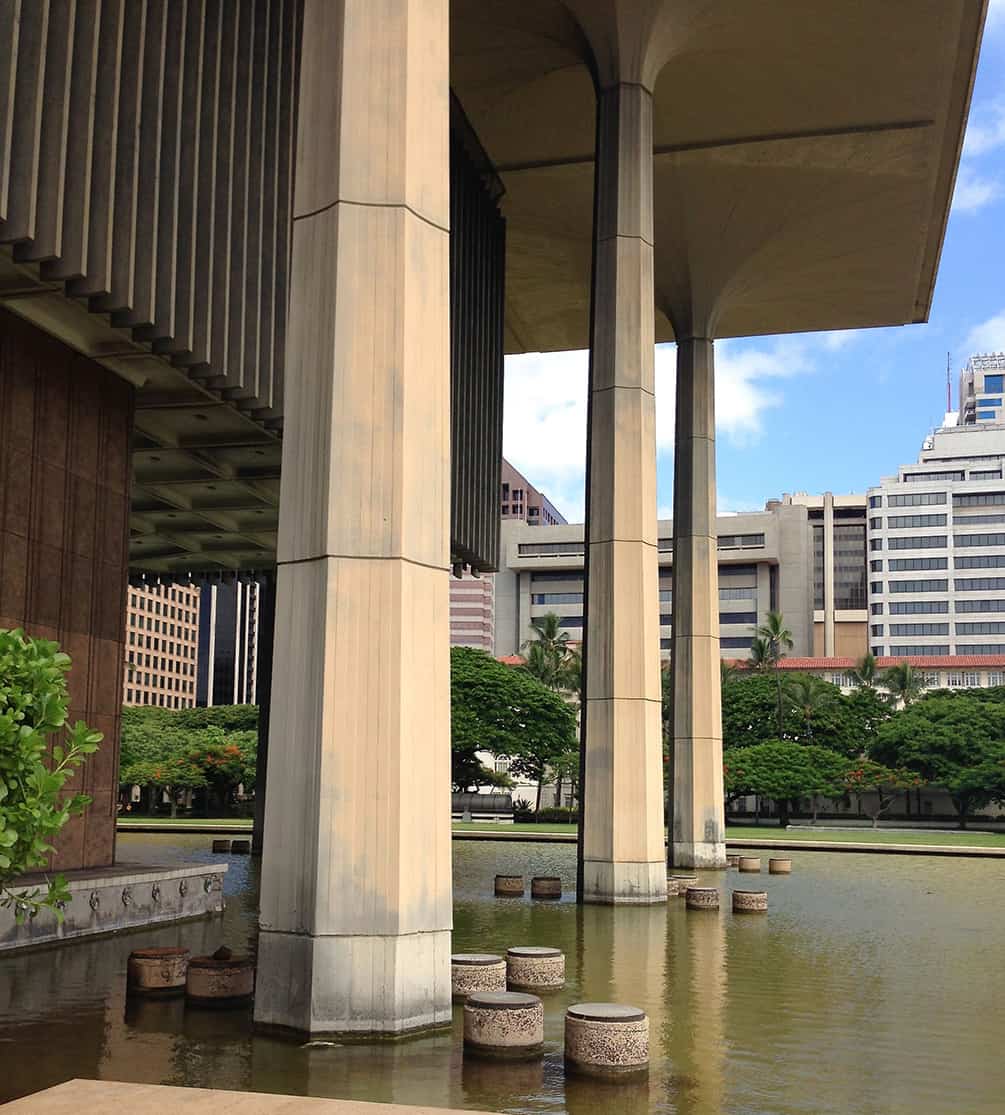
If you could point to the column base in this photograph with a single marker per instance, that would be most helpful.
(699, 853)
(353, 985)
(624, 884)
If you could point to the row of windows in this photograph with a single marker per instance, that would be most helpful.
(159, 662)
(978, 499)
(983, 561)
(926, 477)
(901, 629)
(985, 648)
(967, 520)
(979, 584)
(980, 605)
(666, 596)
(917, 542)
(980, 539)
(162, 700)
(180, 650)
(143, 603)
(913, 607)
(162, 681)
(914, 651)
(934, 585)
(986, 474)
(913, 499)
(900, 522)
(903, 565)
(166, 627)
(986, 627)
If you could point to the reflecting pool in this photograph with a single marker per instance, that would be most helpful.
(874, 985)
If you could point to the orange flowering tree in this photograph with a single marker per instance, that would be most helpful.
(865, 776)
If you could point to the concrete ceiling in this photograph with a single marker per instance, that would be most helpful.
(804, 158)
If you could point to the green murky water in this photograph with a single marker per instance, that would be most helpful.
(875, 985)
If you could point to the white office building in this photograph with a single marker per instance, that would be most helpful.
(937, 538)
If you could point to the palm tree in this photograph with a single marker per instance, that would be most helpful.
(760, 655)
(779, 640)
(550, 657)
(902, 683)
(866, 674)
(809, 696)
(727, 672)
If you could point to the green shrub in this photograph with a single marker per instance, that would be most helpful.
(33, 808)
(522, 811)
(557, 814)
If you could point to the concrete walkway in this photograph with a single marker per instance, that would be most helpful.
(98, 1097)
(780, 844)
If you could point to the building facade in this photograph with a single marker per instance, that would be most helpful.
(937, 547)
(765, 564)
(162, 645)
(472, 611)
(982, 389)
(228, 644)
(519, 499)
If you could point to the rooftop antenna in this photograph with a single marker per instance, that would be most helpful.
(949, 386)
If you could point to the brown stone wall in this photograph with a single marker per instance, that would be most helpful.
(65, 428)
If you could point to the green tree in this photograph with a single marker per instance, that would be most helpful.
(779, 642)
(39, 753)
(809, 696)
(760, 654)
(866, 775)
(903, 684)
(550, 657)
(782, 771)
(953, 740)
(508, 713)
(866, 673)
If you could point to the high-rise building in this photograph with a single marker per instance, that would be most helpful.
(982, 389)
(937, 541)
(472, 599)
(521, 500)
(228, 644)
(162, 645)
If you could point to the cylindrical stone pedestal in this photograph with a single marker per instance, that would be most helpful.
(221, 845)
(749, 863)
(606, 1039)
(702, 898)
(503, 1024)
(546, 886)
(779, 867)
(732, 861)
(241, 847)
(509, 886)
(673, 887)
(535, 968)
(159, 972)
(683, 882)
(476, 971)
(214, 981)
(750, 902)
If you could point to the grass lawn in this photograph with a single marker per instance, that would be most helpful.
(868, 836)
(126, 819)
(491, 826)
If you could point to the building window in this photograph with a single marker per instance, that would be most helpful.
(736, 642)
(901, 629)
(972, 681)
(877, 609)
(557, 598)
(875, 501)
(954, 681)
(985, 648)
(926, 477)
(983, 561)
(875, 544)
(934, 585)
(994, 382)
(995, 678)
(979, 584)
(986, 474)
(978, 499)
(901, 565)
(916, 499)
(919, 542)
(918, 607)
(900, 522)
(997, 605)
(876, 586)
(876, 566)
(743, 593)
(980, 539)
(876, 523)
(737, 617)
(740, 541)
(983, 627)
(877, 652)
(877, 629)
(918, 651)
(985, 415)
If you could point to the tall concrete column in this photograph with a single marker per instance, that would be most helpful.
(356, 889)
(698, 825)
(622, 843)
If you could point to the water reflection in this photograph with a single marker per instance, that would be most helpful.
(873, 985)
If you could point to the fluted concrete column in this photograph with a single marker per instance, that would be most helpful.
(356, 889)
(698, 822)
(623, 859)
(829, 642)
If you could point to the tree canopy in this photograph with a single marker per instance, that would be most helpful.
(506, 712)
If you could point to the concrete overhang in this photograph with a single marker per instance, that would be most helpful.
(805, 154)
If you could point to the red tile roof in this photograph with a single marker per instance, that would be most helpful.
(511, 660)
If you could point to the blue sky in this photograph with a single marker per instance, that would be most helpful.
(811, 412)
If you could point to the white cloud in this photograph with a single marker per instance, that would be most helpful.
(989, 336)
(986, 130)
(973, 190)
(544, 433)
